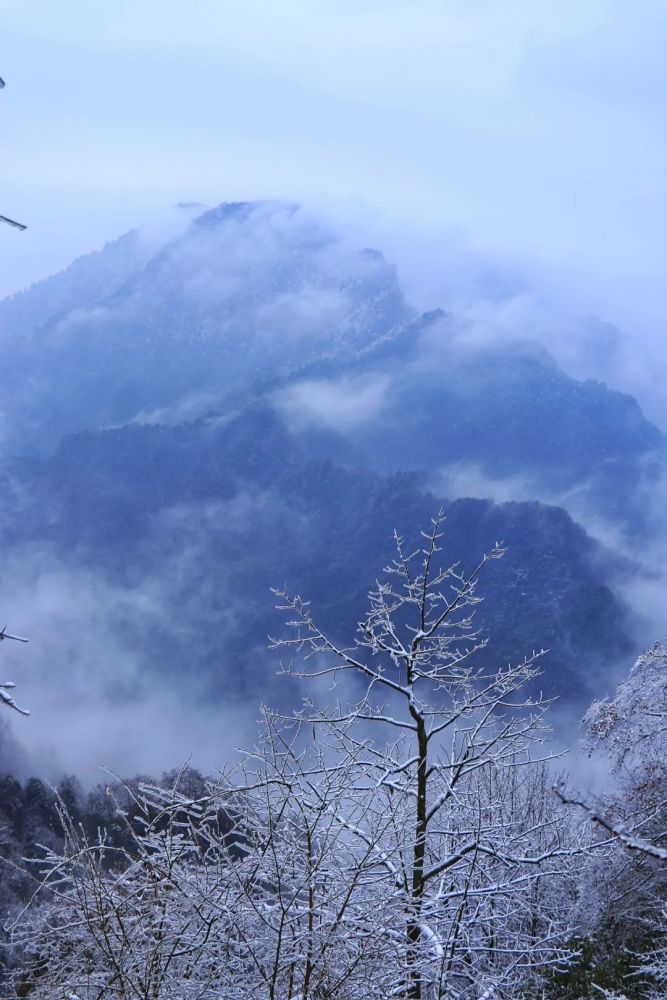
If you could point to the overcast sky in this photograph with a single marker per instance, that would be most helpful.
(536, 131)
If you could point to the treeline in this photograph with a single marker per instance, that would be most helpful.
(31, 822)
(614, 930)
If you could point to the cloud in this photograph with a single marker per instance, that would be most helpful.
(139, 666)
(466, 479)
(192, 406)
(336, 404)
(309, 312)
(90, 678)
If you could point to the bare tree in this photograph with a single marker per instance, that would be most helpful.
(133, 922)
(400, 841)
(8, 686)
(627, 887)
(451, 736)
(3, 218)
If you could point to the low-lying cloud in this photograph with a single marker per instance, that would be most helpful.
(337, 404)
(91, 673)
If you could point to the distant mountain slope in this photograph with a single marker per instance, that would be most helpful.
(85, 282)
(249, 293)
(261, 301)
(193, 523)
(256, 402)
(490, 422)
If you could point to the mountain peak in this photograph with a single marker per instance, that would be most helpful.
(241, 211)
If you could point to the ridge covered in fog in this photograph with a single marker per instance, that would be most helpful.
(255, 401)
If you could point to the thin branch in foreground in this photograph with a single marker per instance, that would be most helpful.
(617, 830)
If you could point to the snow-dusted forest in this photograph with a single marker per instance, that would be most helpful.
(412, 836)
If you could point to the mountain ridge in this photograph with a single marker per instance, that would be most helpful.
(257, 401)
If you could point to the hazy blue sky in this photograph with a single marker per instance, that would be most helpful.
(537, 130)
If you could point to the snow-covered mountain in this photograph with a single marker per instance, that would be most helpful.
(255, 401)
(249, 294)
(262, 301)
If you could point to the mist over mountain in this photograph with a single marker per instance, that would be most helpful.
(265, 301)
(255, 402)
(248, 295)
